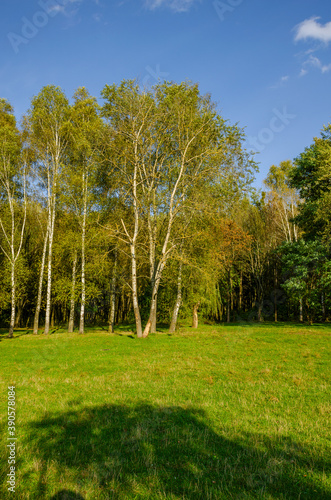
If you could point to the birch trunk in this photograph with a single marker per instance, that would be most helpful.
(165, 253)
(13, 261)
(133, 241)
(51, 220)
(11, 254)
(153, 316)
(195, 319)
(174, 318)
(113, 296)
(72, 299)
(40, 287)
(152, 245)
(13, 290)
(82, 307)
(135, 292)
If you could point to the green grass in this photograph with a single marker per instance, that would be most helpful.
(226, 412)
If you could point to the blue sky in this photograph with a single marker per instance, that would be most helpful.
(266, 64)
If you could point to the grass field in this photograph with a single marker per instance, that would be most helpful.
(225, 412)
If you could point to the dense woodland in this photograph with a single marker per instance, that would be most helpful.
(140, 209)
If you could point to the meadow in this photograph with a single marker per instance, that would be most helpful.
(223, 412)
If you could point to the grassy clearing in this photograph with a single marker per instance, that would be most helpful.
(227, 412)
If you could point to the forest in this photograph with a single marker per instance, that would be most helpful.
(140, 209)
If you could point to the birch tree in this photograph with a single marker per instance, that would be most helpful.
(166, 143)
(47, 136)
(83, 132)
(13, 196)
(285, 199)
(200, 147)
(130, 113)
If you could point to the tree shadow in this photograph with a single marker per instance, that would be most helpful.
(67, 495)
(147, 452)
(18, 332)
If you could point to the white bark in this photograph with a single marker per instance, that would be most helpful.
(133, 251)
(12, 254)
(113, 296)
(174, 318)
(51, 225)
(165, 253)
(72, 299)
(40, 287)
(83, 299)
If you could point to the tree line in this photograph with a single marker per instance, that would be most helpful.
(141, 209)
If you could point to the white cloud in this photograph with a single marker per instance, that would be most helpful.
(63, 6)
(326, 68)
(281, 82)
(314, 62)
(310, 28)
(175, 5)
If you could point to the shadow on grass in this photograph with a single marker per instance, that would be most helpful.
(17, 333)
(146, 452)
(66, 495)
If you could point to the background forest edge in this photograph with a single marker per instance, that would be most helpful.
(143, 208)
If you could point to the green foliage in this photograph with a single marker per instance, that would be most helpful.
(311, 175)
(307, 265)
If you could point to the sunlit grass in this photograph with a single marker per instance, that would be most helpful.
(238, 411)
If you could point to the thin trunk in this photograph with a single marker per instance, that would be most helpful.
(195, 318)
(260, 303)
(275, 296)
(40, 287)
(135, 292)
(240, 290)
(229, 299)
(113, 296)
(82, 306)
(228, 309)
(12, 262)
(72, 300)
(323, 307)
(173, 323)
(13, 256)
(152, 263)
(52, 317)
(18, 318)
(51, 220)
(13, 289)
(301, 310)
(259, 312)
(133, 241)
(154, 316)
(295, 230)
(165, 251)
(288, 227)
